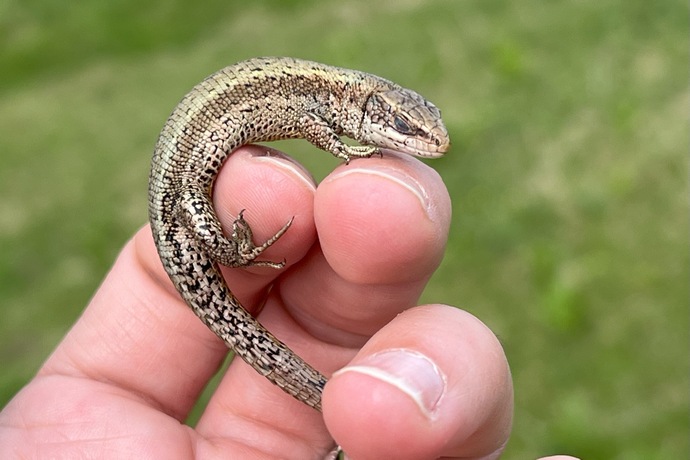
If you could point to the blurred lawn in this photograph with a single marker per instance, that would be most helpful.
(568, 173)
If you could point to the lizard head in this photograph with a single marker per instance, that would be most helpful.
(401, 119)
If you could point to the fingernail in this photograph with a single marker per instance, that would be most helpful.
(391, 174)
(413, 373)
(282, 161)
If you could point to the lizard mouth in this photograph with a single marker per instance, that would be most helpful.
(432, 147)
(431, 144)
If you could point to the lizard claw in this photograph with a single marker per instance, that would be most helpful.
(247, 251)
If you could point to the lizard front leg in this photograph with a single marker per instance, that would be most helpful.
(317, 131)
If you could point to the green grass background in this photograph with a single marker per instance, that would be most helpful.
(568, 175)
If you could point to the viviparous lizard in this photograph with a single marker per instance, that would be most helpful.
(259, 100)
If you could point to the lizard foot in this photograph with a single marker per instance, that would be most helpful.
(357, 151)
(243, 252)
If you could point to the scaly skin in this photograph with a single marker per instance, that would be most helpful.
(265, 99)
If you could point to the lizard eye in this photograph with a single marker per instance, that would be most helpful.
(401, 125)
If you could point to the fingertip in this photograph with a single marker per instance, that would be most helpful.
(272, 188)
(375, 422)
(434, 382)
(411, 373)
(405, 202)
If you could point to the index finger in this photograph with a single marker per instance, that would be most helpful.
(139, 335)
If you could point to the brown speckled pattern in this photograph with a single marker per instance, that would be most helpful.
(258, 100)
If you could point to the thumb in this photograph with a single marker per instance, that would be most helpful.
(434, 382)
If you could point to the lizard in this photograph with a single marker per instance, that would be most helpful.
(261, 100)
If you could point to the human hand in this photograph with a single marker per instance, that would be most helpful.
(432, 381)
